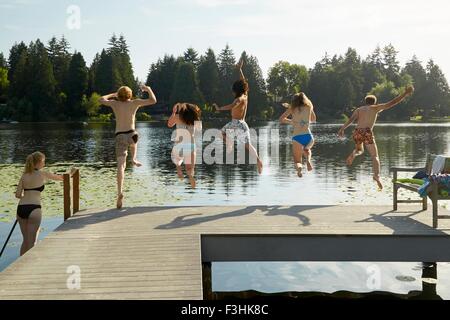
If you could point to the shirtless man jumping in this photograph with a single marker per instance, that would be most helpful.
(237, 126)
(126, 135)
(366, 117)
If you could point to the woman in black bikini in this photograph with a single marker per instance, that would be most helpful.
(29, 188)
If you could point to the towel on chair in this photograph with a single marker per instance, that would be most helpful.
(438, 165)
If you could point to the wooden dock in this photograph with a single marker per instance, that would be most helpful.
(157, 252)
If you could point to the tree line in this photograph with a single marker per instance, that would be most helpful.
(47, 82)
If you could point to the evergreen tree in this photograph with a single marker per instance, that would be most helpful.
(17, 55)
(417, 101)
(41, 82)
(186, 85)
(191, 56)
(107, 77)
(123, 64)
(208, 76)
(59, 56)
(436, 91)
(227, 74)
(18, 75)
(92, 73)
(391, 65)
(161, 77)
(77, 84)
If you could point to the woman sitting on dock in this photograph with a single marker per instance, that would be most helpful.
(29, 188)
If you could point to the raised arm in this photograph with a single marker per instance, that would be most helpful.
(239, 66)
(105, 100)
(174, 117)
(19, 190)
(151, 97)
(352, 119)
(284, 119)
(409, 90)
(313, 117)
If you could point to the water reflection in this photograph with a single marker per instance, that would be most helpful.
(330, 279)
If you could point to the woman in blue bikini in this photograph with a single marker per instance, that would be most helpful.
(301, 111)
(29, 188)
(186, 118)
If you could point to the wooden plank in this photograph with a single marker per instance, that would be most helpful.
(66, 187)
(76, 191)
(155, 252)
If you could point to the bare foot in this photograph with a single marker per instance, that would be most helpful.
(378, 181)
(309, 166)
(299, 171)
(260, 166)
(180, 173)
(192, 181)
(119, 201)
(137, 163)
(350, 159)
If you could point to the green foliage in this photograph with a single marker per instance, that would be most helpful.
(208, 76)
(286, 79)
(59, 56)
(161, 77)
(4, 84)
(142, 116)
(77, 84)
(227, 74)
(112, 68)
(49, 83)
(91, 106)
(106, 117)
(185, 88)
(258, 100)
(191, 56)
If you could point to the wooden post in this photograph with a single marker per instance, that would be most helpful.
(434, 197)
(76, 191)
(395, 189)
(66, 196)
(207, 281)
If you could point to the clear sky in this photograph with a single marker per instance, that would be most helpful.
(272, 30)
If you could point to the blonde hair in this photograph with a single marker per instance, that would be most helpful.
(124, 93)
(301, 100)
(32, 160)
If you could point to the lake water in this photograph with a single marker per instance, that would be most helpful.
(91, 148)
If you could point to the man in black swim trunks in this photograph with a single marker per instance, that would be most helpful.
(125, 109)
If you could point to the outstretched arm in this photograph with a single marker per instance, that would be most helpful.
(409, 90)
(52, 176)
(227, 107)
(146, 102)
(105, 100)
(352, 119)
